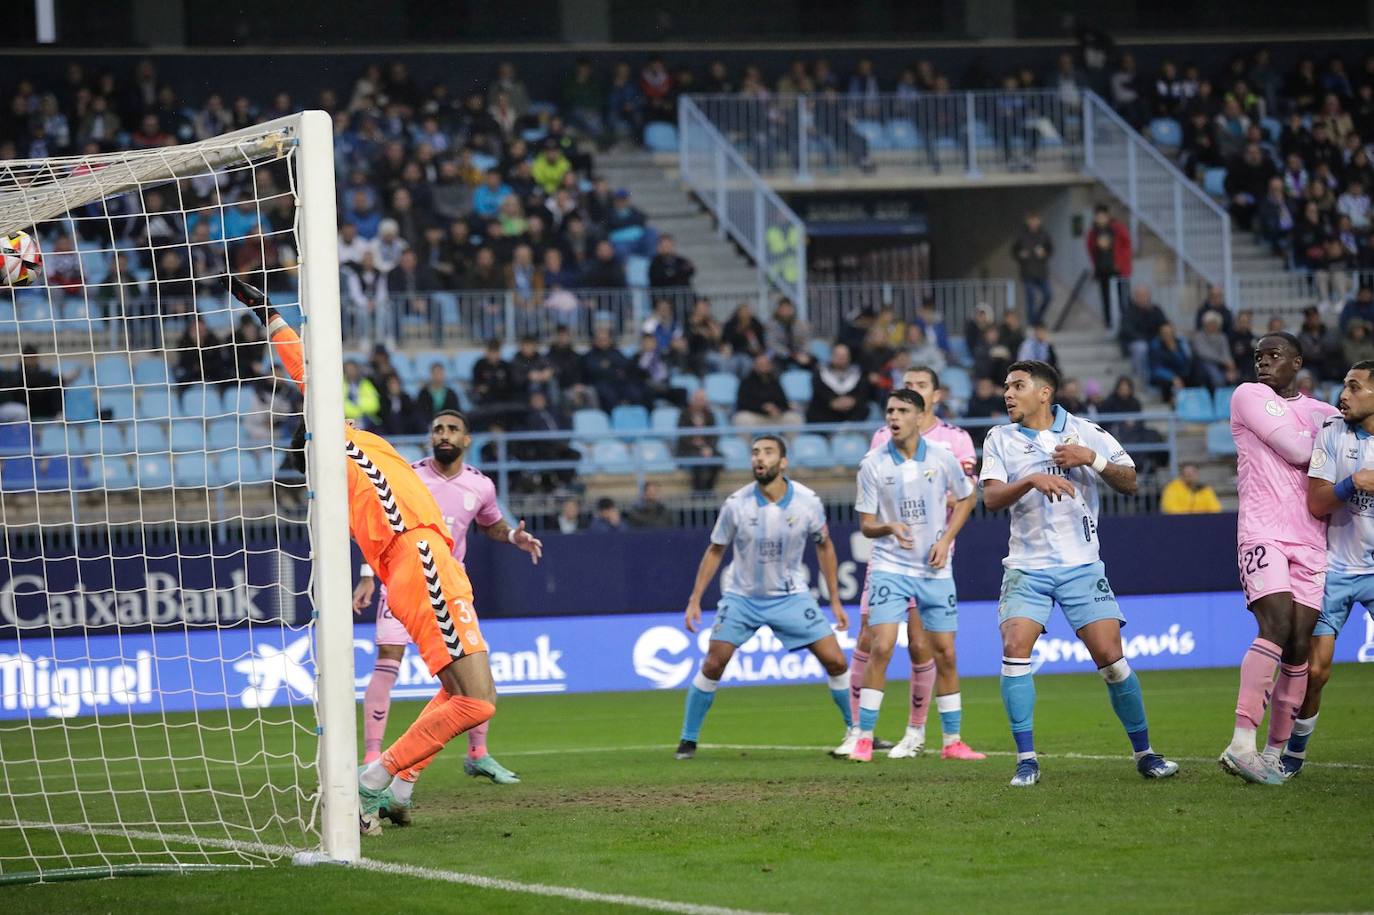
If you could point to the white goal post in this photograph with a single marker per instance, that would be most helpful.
(173, 696)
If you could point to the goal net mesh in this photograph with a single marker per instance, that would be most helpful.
(156, 669)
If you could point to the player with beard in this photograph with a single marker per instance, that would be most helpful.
(768, 523)
(464, 495)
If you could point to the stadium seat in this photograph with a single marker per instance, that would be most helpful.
(189, 469)
(848, 450)
(611, 457)
(1166, 132)
(114, 438)
(190, 401)
(150, 436)
(116, 474)
(1221, 403)
(86, 474)
(685, 382)
(660, 137)
(55, 474)
(637, 271)
(796, 384)
(118, 401)
(81, 438)
(50, 438)
(1194, 405)
(1214, 182)
(151, 370)
(152, 403)
(17, 474)
(78, 404)
(112, 370)
(820, 349)
(590, 422)
(810, 451)
(958, 381)
(214, 401)
(256, 465)
(16, 438)
(872, 132)
(735, 452)
(629, 418)
(1273, 129)
(722, 389)
(903, 135)
(188, 435)
(1219, 440)
(959, 351)
(153, 471)
(664, 419)
(654, 455)
(222, 434)
(461, 365)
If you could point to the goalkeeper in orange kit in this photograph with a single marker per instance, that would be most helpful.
(403, 536)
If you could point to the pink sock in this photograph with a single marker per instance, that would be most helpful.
(922, 685)
(858, 663)
(1288, 697)
(477, 740)
(376, 705)
(1256, 682)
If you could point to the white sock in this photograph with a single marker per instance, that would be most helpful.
(1272, 752)
(1304, 726)
(401, 790)
(871, 699)
(918, 731)
(1243, 740)
(374, 777)
(952, 702)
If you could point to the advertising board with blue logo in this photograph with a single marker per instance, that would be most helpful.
(256, 665)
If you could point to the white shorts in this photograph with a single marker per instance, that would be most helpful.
(390, 631)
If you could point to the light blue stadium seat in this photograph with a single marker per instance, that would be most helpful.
(86, 474)
(484, 162)
(153, 471)
(820, 349)
(50, 438)
(848, 449)
(872, 132)
(903, 135)
(637, 271)
(214, 401)
(256, 465)
(660, 137)
(151, 370)
(1166, 132)
(153, 403)
(1273, 129)
(189, 469)
(82, 437)
(796, 384)
(958, 381)
(17, 474)
(810, 451)
(119, 401)
(116, 474)
(222, 434)
(688, 383)
(188, 435)
(611, 457)
(1194, 405)
(150, 436)
(590, 422)
(1221, 402)
(735, 452)
(191, 401)
(655, 456)
(78, 404)
(1219, 440)
(722, 389)
(114, 438)
(664, 419)
(629, 418)
(959, 351)
(1214, 182)
(461, 365)
(113, 370)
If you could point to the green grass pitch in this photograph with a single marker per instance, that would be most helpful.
(771, 824)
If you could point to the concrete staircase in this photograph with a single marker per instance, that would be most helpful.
(654, 187)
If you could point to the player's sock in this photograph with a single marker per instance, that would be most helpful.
(1288, 696)
(870, 701)
(374, 776)
(434, 729)
(1018, 696)
(839, 691)
(402, 788)
(858, 663)
(477, 741)
(700, 695)
(1302, 732)
(376, 706)
(1256, 681)
(951, 708)
(922, 685)
(1123, 686)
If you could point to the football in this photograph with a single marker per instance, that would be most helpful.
(22, 259)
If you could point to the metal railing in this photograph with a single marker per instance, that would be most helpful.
(746, 209)
(1156, 193)
(581, 455)
(954, 301)
(806, 137)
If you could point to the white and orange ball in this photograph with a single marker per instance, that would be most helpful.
(22, 261)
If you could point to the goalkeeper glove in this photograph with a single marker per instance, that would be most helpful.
(254, 298)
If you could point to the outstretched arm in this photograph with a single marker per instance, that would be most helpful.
(285, 341)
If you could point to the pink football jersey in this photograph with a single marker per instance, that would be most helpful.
(951, 438)
(1274, 440)
(469, 496)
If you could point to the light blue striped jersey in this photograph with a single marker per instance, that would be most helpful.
(911, 491)
(769, 539)
(1046, 533)
(1340, 451)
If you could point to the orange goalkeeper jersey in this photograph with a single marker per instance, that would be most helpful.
(385, 497)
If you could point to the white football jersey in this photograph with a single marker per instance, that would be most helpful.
(769, 539)
(1339, 452)
(911, 491)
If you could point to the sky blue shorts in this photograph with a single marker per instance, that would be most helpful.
(1343, 591)
(796, 619)
(1082, 592)
(889, 595)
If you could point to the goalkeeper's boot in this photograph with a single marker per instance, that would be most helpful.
(1027, 773)
(393, 810)
(1152, 765)
(487, 767)
(369, 802)
(254, 298)
(686, 749)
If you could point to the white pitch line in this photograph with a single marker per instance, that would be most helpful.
(407, 870)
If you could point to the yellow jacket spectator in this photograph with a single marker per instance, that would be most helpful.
(549, 168)
(1188, 496)
(362, 401)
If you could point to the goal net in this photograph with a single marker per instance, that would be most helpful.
(175, 677)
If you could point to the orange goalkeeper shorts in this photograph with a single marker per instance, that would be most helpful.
(429, 593)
